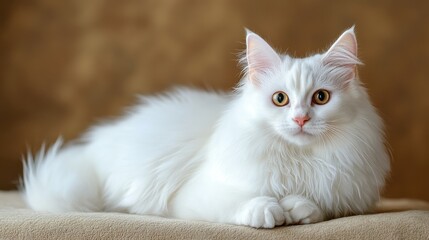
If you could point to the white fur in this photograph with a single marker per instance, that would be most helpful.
(234, 158)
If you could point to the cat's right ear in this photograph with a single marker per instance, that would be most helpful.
(260, 57)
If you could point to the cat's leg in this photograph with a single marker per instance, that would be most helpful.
(300, 210)
(260, 212)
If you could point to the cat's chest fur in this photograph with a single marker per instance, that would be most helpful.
(331, 178)
(304, 173)
(279, 170)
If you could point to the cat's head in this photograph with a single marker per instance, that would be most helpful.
(303, 100)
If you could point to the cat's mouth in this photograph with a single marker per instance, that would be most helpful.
(302, 132)
(300, 137)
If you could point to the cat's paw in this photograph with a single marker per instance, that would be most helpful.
(261, 212)
(299, 210)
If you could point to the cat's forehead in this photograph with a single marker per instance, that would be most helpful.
(299, 74)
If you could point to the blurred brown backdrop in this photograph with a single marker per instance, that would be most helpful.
(66, 64)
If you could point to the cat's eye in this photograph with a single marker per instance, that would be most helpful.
(280, 99)
(321, 97)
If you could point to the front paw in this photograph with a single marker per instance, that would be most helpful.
(299, 210)
(261, 212)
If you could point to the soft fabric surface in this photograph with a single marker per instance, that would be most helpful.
(17, 222)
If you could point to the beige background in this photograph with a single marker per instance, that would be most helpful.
(66, 64)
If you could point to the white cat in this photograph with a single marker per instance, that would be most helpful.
(298, 142)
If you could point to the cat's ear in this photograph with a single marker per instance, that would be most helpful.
(260, 57)
(343, 55)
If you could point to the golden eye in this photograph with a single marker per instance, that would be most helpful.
(280, 99)
(321, 97)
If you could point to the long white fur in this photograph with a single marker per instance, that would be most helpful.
(234, 158)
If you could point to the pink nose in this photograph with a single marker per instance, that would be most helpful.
(301, 120)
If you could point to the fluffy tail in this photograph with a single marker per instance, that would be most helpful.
(60, 180)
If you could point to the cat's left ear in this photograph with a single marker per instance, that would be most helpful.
(260, 57)
(343, 55)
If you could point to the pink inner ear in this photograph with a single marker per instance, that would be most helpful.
(348, 42)
(261, 58)
(342, 56)
(344, 51)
